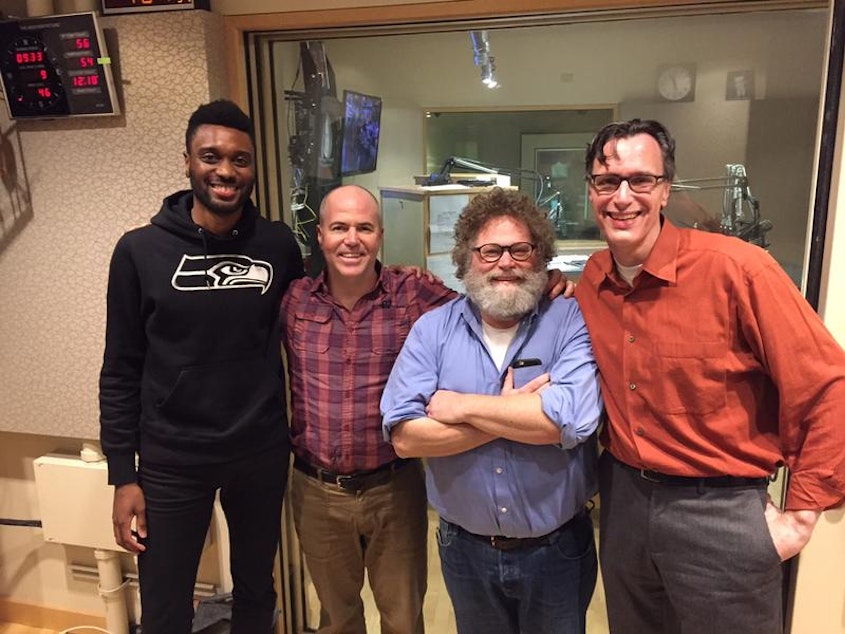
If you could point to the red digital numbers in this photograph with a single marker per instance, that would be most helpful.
(45, 93)
(43, 74)
(82, 43)
(80, 81)
(86, 62)
(25, 57)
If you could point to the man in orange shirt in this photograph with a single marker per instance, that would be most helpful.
(715, 371)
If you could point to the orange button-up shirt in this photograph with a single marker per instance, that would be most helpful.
(714, 364)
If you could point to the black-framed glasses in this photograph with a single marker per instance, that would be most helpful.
(640, 183)
(492, 252)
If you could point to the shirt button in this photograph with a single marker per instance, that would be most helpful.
(504, 509)
(631, 339)
(632, 386)
(499, 470)
(640, 431)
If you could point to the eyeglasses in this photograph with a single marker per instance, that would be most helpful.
(639, 183)
(491, 252)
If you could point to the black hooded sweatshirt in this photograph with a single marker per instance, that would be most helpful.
(192, 366)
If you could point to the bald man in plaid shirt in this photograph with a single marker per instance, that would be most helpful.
(356, 504)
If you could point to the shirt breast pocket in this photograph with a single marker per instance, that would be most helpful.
(691, 377)
(312, 330)
(389, 329)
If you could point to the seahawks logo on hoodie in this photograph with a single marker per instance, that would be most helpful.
(221, 272)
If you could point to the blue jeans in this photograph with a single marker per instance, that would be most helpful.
(533, 590)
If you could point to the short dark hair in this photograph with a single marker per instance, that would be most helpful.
(220, 112)
(495, 204)
(626, 129)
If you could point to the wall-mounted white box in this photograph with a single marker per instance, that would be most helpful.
(75, 501)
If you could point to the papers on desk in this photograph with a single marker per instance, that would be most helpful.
(569, 263)
(439, 188)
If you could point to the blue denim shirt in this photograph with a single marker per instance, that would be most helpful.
(504, 487)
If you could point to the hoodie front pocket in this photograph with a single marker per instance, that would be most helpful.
(214, 398)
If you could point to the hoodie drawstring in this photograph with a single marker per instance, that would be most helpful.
(205, 255)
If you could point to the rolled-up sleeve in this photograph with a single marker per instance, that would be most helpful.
(573, 401)
(413, 379)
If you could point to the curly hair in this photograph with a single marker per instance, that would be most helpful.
(627, 129)
(498, 203)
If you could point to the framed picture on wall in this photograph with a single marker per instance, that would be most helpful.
(15, 201)
(740, 85)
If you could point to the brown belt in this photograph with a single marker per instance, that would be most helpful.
(353, 482)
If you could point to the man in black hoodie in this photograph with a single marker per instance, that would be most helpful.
(191, 380)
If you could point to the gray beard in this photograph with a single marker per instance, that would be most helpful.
(505, 305)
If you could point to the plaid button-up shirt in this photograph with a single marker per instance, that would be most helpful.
(339, 361)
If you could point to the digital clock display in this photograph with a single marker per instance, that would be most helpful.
(55, 66)
(137, 6)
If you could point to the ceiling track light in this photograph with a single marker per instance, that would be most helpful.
(482, 57)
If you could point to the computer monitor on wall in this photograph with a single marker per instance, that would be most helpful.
(361, 129)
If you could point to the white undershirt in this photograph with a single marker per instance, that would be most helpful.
(628, 273)
(498, 340)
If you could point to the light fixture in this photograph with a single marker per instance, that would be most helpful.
(482, 57)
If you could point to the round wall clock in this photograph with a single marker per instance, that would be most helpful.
(676, 82)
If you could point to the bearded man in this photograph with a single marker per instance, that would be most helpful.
(498, 390)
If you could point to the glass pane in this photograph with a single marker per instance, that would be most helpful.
(736, 90)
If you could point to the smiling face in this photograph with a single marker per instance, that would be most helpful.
(220, 164)
(630, 221)
(350, 233)
(506, 290)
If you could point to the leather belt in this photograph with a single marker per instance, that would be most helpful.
(500, 542)
(718, 482)
(353, 482)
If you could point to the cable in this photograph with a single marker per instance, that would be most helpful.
(10, 522)
(298, 198)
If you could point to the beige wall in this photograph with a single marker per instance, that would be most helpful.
(820, 589)
(90, 180)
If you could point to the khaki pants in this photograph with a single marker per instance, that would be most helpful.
(383, 529)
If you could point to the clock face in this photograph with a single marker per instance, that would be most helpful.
(676, 83)
(33, 79)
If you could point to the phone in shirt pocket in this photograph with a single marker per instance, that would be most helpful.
(525, 369)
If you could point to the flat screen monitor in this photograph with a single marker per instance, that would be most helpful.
(56, 66)
(361, 126)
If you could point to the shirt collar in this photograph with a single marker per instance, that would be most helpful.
(661, 263)
(320, 286)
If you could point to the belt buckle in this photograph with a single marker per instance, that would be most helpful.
(647, 474)
(347, 482)
(504, 543)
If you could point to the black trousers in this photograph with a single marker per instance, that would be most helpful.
(686, 560)
(179, 503)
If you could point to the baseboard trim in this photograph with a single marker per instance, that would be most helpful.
(44, 617)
